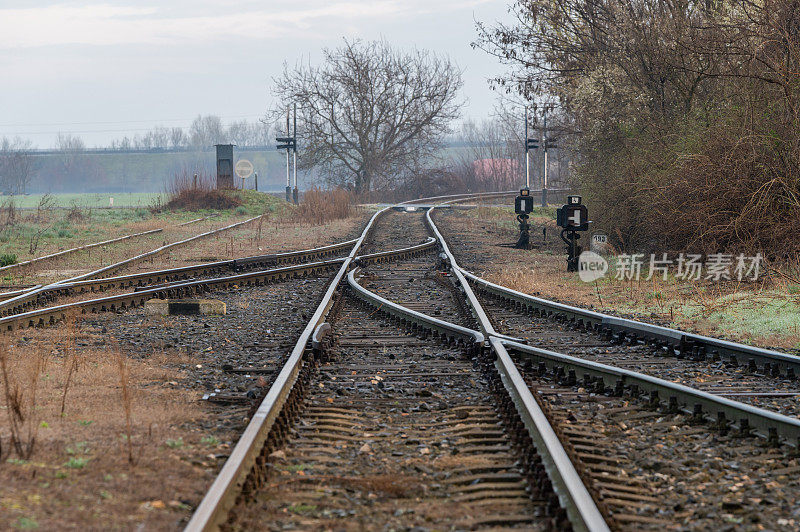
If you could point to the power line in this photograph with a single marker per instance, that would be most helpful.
(55, 124)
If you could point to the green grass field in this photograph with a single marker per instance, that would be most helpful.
(33, 234)
(132, 199)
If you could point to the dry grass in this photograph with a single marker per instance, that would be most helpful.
(187, 193)
(103, 461)
(319, 206)
(20, 386)
(765, 314)
(762, 315)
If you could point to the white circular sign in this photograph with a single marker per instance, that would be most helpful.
(244, 168)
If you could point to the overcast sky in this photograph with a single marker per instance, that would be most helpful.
(109, 69)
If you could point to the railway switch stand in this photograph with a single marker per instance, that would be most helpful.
(572, 218)
(523, 205)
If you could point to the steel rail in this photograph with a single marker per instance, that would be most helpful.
(413, 318)
(73, 250)
(586, 516)
(677, 340)
(680, 341)
(28, 299)
(181, 272)
(213, 509)
(19, 292)
(746, 418)
(575, 498)
(674, 396)
(455, 198)
(461, 282)
(367, 259)
(383, 256)
(290, 256)
(582, 511)
(51, 315)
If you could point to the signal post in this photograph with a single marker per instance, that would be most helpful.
(289, 143)
(572, 217)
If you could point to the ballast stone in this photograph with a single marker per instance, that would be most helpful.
(164, 307)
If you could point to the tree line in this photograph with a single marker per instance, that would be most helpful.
(683, 115)
(205, 131)
(19, 164)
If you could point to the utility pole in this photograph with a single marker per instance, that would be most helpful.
(523, 205)
(530, 144)
(288, 182)
(527, 154)
(294, 151)
(289, 143)
(544, 170)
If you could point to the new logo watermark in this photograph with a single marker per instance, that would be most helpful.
(685, 267)
(591, 266)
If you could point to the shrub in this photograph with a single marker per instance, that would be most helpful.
(183, 193)
(7, 259)
(75, 213)
(319, 206)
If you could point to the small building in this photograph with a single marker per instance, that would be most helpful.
(224, 166)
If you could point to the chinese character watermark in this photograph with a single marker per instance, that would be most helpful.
(685, 267)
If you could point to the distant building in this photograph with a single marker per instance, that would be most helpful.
(497, 174)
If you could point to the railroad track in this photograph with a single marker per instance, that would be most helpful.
(49, 294)
(718, 368)
(501, 432)
(530, 475)
(19, 302)
(708, 372)
(619, 501)
(623, 499)
(28, 298)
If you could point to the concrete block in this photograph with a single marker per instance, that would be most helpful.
(164, 307)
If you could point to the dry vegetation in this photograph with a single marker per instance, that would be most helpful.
(91, 436)
(685, 115)
(87, 431)
(190, 193)
(321, 206)
(765, 313)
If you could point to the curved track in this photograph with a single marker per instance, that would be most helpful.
(274, 421)
(421, 395)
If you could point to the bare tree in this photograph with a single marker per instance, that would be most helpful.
(71, 147)
(491, 156)
(158, 137)
(177, 138)
(370, 113)
(686, 114)
(16, 165)
(241, 133)
(207, 130)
